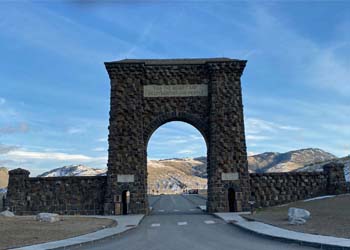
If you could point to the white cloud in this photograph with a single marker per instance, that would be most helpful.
(102, 139)
(186, 151)
(21, 154)
(99, 149)
(75, 130)
(256, 126)
(256, 137)
(250, 153)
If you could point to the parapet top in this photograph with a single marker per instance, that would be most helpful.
(19, 171)
(174, 61)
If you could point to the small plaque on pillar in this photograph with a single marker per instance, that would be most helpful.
(229, 176)
(125, 178)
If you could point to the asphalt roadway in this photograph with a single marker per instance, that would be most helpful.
(176, 223)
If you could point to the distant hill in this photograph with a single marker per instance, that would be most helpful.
(174, 175)
(164, 176)
(4, 177)
(318, 166)
(73, 170)
(286, 162)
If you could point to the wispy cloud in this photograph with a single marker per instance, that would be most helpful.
(4, 149)
(256, 126)
(102, 139)
(75, 130)
(39, 161)
(99, 149)
(256, 137)
(58, 34)
(308, 62)
(329, 71)
(20, 154)
(21, 128)
(186, 151)
(2, 101)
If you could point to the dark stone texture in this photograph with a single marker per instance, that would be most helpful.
(336, 183)
(63, 195)
(218, 116)
(270, 189)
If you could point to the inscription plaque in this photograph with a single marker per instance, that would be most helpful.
(229, 176)
(175, 90)
(125, 178)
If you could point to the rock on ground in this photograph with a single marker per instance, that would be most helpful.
(298, 215)
(7, 213)
(48, 217)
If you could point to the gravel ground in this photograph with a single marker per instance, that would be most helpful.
(330, 216)
(25, 230)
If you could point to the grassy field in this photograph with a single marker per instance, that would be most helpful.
(330, 216)
(25, 230)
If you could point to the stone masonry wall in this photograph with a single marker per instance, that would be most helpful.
(271, 189)
(218, 116)
(64, 195)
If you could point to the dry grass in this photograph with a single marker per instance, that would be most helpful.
(25, 230)
(330, 216)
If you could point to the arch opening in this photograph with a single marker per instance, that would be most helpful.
(125, 202)
(232, 200)
(177, 165)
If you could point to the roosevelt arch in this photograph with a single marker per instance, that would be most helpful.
(205, 93)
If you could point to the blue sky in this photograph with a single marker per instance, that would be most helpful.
(54, 90)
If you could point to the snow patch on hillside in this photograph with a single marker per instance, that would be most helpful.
(74, 170)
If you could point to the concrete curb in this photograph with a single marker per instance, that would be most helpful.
(125, 223)
(304, 239)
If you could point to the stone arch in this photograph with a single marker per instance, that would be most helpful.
(205, 93)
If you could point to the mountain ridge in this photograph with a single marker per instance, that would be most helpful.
(176, 174)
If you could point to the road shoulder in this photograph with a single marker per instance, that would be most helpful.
(125, 223)
(272, 232)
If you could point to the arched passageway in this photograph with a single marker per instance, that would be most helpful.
(125, 202)
(177, 163)
(232, 200)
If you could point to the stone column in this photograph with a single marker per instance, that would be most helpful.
(227, 148)
(126, 161)
(18, 187)
(336, 183)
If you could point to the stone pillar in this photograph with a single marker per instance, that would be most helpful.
(18, 186)
(227, 148)
(336, 183)
(127, 170)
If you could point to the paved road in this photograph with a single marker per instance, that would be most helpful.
(176, 224)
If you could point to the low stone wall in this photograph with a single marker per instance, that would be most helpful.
(64, 195)
(86, 194)
(270, 189)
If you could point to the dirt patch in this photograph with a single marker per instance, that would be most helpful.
(330, 216)
(25, 230)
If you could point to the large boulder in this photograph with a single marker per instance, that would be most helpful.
(7, 213)
(297, 216)
(48, 217)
